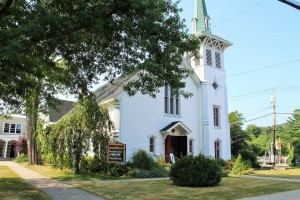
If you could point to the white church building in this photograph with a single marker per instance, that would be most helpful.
(170, 123)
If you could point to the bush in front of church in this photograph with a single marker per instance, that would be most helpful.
(197, 171)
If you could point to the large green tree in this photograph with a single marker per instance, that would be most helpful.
(86, 127)
(238, 136)
(49, 43)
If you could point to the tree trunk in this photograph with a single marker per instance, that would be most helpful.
(76, 158)
(32, 117)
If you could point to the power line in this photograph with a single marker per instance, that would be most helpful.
(239, 13)
(252, 119)
(266, 91)
(259, 111)
(255, 70)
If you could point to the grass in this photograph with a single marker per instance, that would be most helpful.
(12, 187)
(291, 173)
(229, 188)
(66, 175)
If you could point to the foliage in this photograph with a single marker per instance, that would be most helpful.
(241, 166)
(160, 162)
(118, 169)
(291, 159)
(22, 144)
(226, 166)
(21, 158)
(92, 164)
(66, 46)
(249, 155)
(152, 173)
(253, 130)
(68, 140)
(142, 160)
(197, 171)
(239, 137)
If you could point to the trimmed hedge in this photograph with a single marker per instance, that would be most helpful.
(197, 171)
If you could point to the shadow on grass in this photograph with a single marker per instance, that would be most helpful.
(17, 188)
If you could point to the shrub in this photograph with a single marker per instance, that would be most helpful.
(241, 166)
(142, 160)
(160, 162)
(226, 166)
(155, 172)
(91, 164)
(21, 158)
(117, 169)
(22, 147)
(196, 171)
(291, 159)
(250, 156)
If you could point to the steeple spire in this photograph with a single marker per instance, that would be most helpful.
(201, 18)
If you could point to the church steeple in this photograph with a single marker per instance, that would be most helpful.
(201, 19)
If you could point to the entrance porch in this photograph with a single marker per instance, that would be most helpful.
(175, 135)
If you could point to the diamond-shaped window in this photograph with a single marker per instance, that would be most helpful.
(215, 85)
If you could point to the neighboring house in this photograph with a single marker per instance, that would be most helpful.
(62, 108)
(171, 124)
(10, 132)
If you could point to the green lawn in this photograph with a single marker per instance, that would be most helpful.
(12, 187)
(290, 173)
(66, 175)
(229, 188)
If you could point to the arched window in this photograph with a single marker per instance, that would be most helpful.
(217, 149)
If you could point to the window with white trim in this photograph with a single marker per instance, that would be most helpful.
(172, 101)
(216, 114)
(191, 147)
(208, 57)
(151, 144)
(12, 128)
(218, 59)
(217, 149)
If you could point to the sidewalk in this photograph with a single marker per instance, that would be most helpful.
(289, 195)
(54, 189)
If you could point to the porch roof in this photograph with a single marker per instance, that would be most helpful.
(178, 125)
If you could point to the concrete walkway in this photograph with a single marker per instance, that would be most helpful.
(289, 195)
(54, 189)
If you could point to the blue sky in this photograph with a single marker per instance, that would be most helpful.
(265, 35)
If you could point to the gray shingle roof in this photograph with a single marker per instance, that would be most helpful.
(112, 89)
(61, 109)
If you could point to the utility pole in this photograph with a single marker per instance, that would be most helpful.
(273, 101)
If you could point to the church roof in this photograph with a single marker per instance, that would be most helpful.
(112, 89)
(201, 24)
(200, 14)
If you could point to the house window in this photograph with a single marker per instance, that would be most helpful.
(217, 149)
(172, 102)
(208, 57)
(191, 146)
(166, 99)
(218, 59)
(216, 111)
(151, 145)
(12, 128)
(6, 128)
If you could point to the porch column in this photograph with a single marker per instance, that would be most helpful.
(5, 149)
